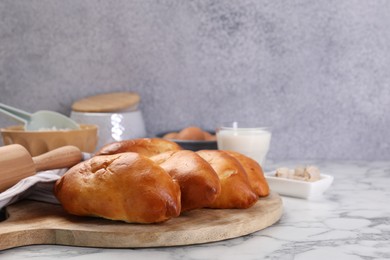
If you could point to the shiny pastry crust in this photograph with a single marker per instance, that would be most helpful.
(144, 146)
(255, 173)
(125, 186)
(236, 191)
(199, 183)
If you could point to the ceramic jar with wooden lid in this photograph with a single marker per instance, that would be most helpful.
(116, 115)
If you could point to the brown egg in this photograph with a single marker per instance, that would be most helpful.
(172, 135)
(191, 133)
(209, 137)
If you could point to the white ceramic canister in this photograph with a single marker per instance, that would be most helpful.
(116, 115)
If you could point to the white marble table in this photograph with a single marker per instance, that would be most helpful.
(351, 221)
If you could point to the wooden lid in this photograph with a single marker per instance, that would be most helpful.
(109, 102)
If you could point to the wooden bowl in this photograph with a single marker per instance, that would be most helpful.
(39, 142)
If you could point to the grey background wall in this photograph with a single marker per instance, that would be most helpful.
(318, 72)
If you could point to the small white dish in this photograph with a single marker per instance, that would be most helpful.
(297, 188)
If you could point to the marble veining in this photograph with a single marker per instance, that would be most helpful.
(350, 221)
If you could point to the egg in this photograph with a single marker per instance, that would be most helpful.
(191, 133)
(209, 137)
(172, 135)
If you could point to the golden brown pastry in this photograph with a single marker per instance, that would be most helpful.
(144, 146)
(199, 183)
(125, 186)
(236, 192)
(255, 173)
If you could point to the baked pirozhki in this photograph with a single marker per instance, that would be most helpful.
(236, 191)
(255, 173)
(144, 146)
(199, 183)
(125, 186)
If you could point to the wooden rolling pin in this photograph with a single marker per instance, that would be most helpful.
(16, 162)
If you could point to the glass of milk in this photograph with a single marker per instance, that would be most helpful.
(251, 141)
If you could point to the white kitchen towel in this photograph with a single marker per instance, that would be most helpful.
(32, 186)
(37, 187)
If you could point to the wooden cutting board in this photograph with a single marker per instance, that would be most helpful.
(31, 222)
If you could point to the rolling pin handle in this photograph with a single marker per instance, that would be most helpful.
(62, 157)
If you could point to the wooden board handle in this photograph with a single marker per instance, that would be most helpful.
(63, 157)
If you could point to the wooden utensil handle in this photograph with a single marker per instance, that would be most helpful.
(15, 164)
(63, 157)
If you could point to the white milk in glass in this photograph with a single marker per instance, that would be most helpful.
(252, 142)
